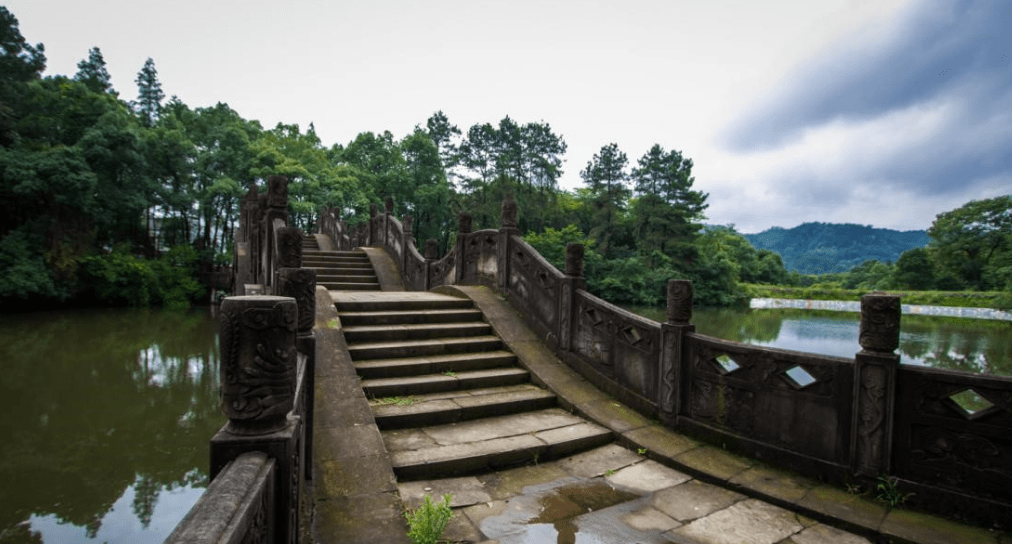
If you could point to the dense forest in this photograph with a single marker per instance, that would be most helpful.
(107, 201)
(821, 248)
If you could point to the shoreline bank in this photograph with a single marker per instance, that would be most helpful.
(855, 306)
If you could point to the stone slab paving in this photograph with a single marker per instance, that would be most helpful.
(612, 495)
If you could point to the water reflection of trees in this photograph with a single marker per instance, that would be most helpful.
(969, 345)
(97, 401)
(724, 323)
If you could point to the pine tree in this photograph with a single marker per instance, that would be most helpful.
(92, 72)
(668, 212)
(149, 94)
(606, 178)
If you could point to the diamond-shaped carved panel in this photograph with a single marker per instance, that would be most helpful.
(971, 404)
(725, 364)
(632, 334)
(798, 377)
(594, 316)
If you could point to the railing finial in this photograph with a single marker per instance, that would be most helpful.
(574, 259)
(880, 322)
(509, 212)
(258, 362)
(679, 302)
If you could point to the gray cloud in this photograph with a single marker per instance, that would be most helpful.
(953, 57)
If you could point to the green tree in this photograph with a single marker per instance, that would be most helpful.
(93, 73)
(443, 134)
(605, 177)
(668, 213)
(429, 200)
(149, 93)
(914, 270)
(716, 274)
(20, 63)
(974, 242)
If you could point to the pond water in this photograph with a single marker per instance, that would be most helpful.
(107, 416)
(970, 345)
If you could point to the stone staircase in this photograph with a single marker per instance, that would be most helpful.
(447, 396)
(339, 270)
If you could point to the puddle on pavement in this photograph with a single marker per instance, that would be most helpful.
(557, 514)
(563, 505)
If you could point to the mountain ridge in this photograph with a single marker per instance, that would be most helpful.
(822, 248)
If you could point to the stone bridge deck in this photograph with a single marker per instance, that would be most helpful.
(634, 481)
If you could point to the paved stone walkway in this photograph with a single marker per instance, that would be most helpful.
(611, 494)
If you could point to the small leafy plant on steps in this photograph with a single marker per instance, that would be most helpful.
(888, 491)
(426, 524)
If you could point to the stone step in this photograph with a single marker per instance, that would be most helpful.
(403, 317)
(420, 348)
(349, 286)
(393, 304)
(354, 276)
(403, 412)
(365, 267)
(483, 445)
(406, 386)
(413, 331)
(433, 364)
(312, 260)
(324, 272)
(361, 255)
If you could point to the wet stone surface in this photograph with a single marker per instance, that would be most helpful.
(611, 495)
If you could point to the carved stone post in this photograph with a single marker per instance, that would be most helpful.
(388, 206)
(243, 260)
(275, 204)
(288, 252)
(300, 284)
(431, 250)
(673, 349)
(567, 299)
(339, 243)
(875, 384)
(431, 255)
(258, 371)
(506, 232)
(407, 239)
(463, 229)
(373, 226)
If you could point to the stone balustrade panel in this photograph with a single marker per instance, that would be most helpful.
(415, 270)
(621, 345)
(444, 271)
(394, 238)
(799, 402)
(536, 286)
(952, 431)
(479, 262)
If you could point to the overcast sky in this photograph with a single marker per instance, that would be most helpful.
(880, 113)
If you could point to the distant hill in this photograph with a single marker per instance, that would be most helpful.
(819, 248)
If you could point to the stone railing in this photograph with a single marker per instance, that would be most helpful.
(260, 458)
(345, 238)
(945, 435)
(264, 244)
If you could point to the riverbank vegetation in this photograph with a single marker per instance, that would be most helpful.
(108, 201)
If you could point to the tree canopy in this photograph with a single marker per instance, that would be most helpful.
(107, 201)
